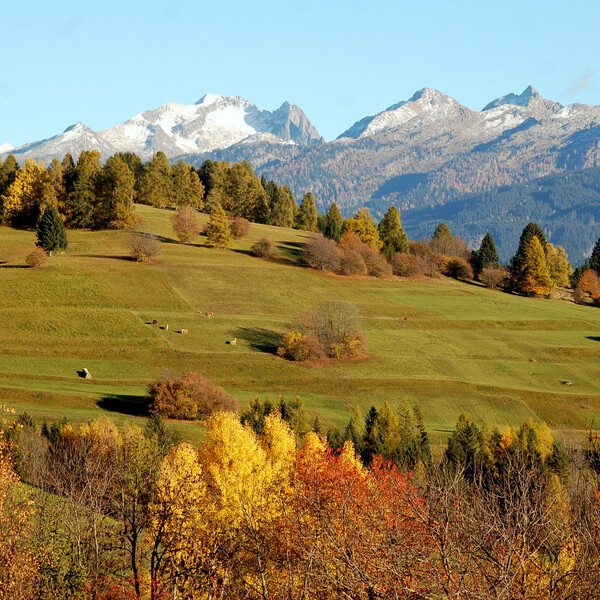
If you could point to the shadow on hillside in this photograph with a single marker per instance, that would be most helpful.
(166, 240)
(240, 251)
(126, 405)
(595, 338)
(259, 338)
(109, 256)
(14, 266)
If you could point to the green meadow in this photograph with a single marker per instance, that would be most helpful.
(446, 346)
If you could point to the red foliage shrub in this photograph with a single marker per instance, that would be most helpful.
(322, 254)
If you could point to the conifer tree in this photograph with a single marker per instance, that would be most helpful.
(487, 253)
(306, 218)
(51, 232)
(595, 258)
(86, 180)
(116, 209)
(156, 183)
(187, 187)
(218, 230)
(283, 208)
(530, 230)
(334, 223)
(442, 240)
(8, 172)
(392, 233)
(533, 277)
(559, 267)
(362, 226)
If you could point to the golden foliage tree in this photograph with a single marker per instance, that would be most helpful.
(218, 231)
(363, 227)
(533, 276)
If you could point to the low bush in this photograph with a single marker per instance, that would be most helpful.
(406, 265)
(352, 263)
(429, 261)
(377, 265)
(322, 254)
(191, 396)
(186, 224)
(265, 248)
(239, 227)
(457, 267)
(353, 344)
(144, 246)
(37, 258)
(300, 347)
(492, 277)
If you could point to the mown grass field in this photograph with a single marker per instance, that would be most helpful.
(446, 346)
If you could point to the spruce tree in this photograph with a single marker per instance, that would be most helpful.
(595, 258)
(334, 223)
(283, 208)
(487, 253)
(86, 179)
(116, 209)
(51, 231)
(392, 233)
(218, 230)
(307, 215)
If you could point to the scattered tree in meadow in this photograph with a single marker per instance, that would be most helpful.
(240, 227)
(51, 232)
(363, 227)
(322, 253)
(588, 285)
(36, 258)
(218, 231)
(306, 218)
(392, 233)
(493, 278)
(186, 223)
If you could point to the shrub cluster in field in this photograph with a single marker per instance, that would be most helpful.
(134, 513)
(190, 396)
(329, 330)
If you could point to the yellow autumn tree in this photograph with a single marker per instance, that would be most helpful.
(28, 195)
(559, 267)
(363, 227)
(533, 276)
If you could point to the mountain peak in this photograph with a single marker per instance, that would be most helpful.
(75, 127)
(525, 98)
(208, 99)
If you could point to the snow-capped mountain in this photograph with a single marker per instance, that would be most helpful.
(213, 123)
(425, 104)
(6, 147)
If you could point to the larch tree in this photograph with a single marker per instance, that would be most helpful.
(51, 232)
(559, 266)
(156, 183)
(306, 219)
(392, 233)
(218, 230)
(187, 187)
(116, 209)
(362, 226)
(533, 277)
(487, 253)
(333, 223)
(84, 192)
(442, 240)
(283, 208)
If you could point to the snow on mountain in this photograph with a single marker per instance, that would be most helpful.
(529, 98)
(426, 102)
(213, 123)
(6, 147)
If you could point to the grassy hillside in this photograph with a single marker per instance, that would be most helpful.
(449, 347)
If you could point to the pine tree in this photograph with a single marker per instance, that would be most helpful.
(334, 223)
(595, 258)
(392, 233)
(362, 226)
(530, 230)
(533, 277)
(51, 232)
(487, 253)
(307, 215)
(218, 230)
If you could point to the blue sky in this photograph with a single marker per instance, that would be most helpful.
(103, 62)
